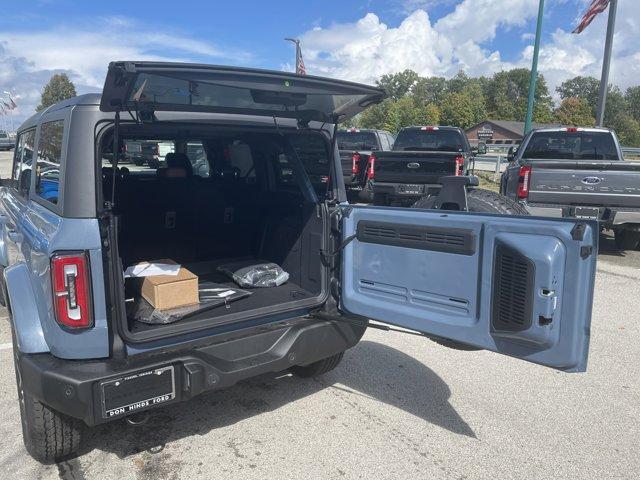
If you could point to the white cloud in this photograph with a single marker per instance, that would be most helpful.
(84, 50)
(366, 49)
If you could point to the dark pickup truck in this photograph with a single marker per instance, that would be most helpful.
(577, 173)
(419, 158)
(357, 147)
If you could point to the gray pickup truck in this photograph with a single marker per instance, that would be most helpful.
(6, 141)
(420, 157)
(577, 173)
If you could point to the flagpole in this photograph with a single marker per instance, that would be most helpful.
(606, 63)
(534, 70)
(296, 42)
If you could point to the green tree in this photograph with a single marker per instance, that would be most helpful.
(575, 111)
(632, 96)
(377, 116)
(429, 115)
(507, 95)
(458, 110)
(429, 90)
(615, 108)
(59, 88)
(584, 88)
(627, 129)
(398, 84)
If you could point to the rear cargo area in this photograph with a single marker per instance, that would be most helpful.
(221, 198)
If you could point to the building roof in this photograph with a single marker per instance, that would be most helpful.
(516, 127)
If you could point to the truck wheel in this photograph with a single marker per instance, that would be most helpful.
(627, 239)
(482, 201)
(48, 435)
(317, 368)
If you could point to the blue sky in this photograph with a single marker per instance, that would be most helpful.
(358, 40)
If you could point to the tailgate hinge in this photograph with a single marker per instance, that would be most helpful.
(327, 257)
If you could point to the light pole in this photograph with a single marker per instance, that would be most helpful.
(534, 70)
(11, 109)
(606, 62)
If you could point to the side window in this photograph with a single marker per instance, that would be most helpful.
(23, 161)
(240, 158)
(198, 158)
(384, 141)
(314, 156)
(48, 161)
(390, 139)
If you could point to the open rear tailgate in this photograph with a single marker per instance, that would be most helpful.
(156, 86)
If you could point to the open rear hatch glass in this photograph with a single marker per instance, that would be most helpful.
(158, 86)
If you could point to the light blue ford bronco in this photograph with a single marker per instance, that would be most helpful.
(252, 172)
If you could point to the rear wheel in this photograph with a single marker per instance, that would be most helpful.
(627, 239)
(48, 435)
(318, 368)
(480, 201)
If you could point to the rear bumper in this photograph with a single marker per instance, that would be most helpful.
(74, 387)
(608, 217)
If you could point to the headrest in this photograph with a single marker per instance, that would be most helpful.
(178, 160)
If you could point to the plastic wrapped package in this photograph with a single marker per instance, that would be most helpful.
(211, 295)
(250, 274)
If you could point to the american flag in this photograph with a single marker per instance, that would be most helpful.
(300, 68)
(596, 7)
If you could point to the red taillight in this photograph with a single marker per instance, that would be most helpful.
(573, 129)
(355, 163)
(71, 289)
(524, 177)
(372, 167)
(429, 128)
(459, 165)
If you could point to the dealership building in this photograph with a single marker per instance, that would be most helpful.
(501, 131)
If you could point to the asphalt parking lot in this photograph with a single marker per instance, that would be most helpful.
(398, 406)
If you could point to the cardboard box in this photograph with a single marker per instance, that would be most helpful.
(165, 292)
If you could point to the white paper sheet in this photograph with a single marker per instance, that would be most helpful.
(151, 269)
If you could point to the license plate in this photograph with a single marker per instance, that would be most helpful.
(410, 189)
(587, 213)
(132, 393)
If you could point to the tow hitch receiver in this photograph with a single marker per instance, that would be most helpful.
(453, 194)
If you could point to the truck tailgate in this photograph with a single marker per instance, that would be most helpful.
(598, 183)
(413, 167)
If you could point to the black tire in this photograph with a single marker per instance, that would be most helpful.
(48, 435)
(627, 239)
(317, 368)
(482, 201)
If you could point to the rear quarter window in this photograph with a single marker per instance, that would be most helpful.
(313, 153)
(48, 161)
